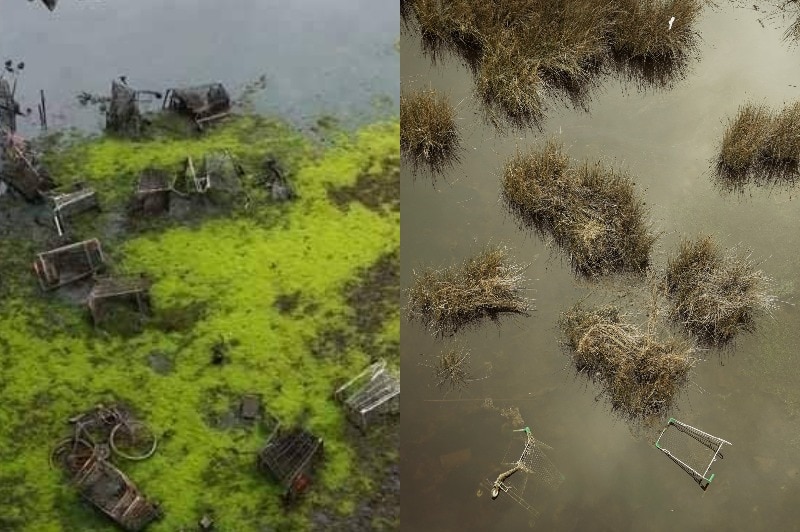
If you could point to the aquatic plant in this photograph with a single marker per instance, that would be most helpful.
(428, 134)
(215, 276)
(714, 294)
(521, 50)
(591, 211)
(760, 146)
(640, 371)
(487, 285)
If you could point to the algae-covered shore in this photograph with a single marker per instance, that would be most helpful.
(302, 294)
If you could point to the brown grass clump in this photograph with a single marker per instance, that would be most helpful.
(640, 373)
(646, 48)
(760, 146)
(714, 294)
(428, 134)
(485, 286)
(521, 50)
(591, 211)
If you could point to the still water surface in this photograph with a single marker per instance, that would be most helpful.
(750, 396)
(318, 56)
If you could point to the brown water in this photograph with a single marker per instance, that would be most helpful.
(750, 396)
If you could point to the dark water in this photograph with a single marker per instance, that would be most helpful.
(319, 56)
(615, 478)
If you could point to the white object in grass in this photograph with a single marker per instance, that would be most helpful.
(670, 22)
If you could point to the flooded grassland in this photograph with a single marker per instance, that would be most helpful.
(564, 369)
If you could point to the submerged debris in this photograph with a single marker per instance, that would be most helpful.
(85, 458)
(290, 458)
(428, 134)
(203, 103)
(372, 394)
(485, 286)
(119, 301)
(640, 372)
(714, 294)
(21, 167)
(591, 211)
(68, 264)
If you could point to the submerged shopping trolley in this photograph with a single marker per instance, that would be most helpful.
(372, 394)
(692, 449)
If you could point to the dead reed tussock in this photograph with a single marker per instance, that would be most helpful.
(591, 211)
(760, 146)
(428, 135)
(485, 286)
(520, 50)
(715, 294)
(640, 372)
(642, 28)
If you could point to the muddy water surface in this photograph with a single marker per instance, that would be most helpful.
(615, 478)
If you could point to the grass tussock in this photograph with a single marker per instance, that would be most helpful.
(590, 210)
(485, 286)
(522, 50)
(648, 49)
(428, 134)
(640, 372)
(760, 146)
(714, 294)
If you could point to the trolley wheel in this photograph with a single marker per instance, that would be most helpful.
(71, 455)
(133, 440)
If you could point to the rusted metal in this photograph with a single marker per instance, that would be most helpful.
(68, 264)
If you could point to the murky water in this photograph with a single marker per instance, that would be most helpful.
(615, 478)
(319, 56)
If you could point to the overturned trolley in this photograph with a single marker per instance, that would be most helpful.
(113, 493)
(290, 458)
(219, 172)
(202, 103)
(69, 204)
(153, 191)
(68, 264)
(372, 394)
(119, 298)
(691, 449)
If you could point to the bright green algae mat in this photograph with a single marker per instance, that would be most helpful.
(304, 293)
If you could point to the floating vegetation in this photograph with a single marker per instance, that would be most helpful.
(714, 294)
(648, 51)
(428, 135)
(640, 371)
(224, 286)
(523, 50)
(485, 286)
(590, 210)
(452, 369)
(760, 146)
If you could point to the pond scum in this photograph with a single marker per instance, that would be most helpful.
(287, 288)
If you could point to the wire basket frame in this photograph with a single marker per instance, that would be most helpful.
(373, 392)
(691, 449)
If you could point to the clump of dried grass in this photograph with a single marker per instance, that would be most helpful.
(760, 146)
(590, 210)
(714, 294)
(520, 50)
(640, 372)
(428, 134)
(642, 28)
(485, 286)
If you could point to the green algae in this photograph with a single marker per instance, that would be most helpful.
(216, 276)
